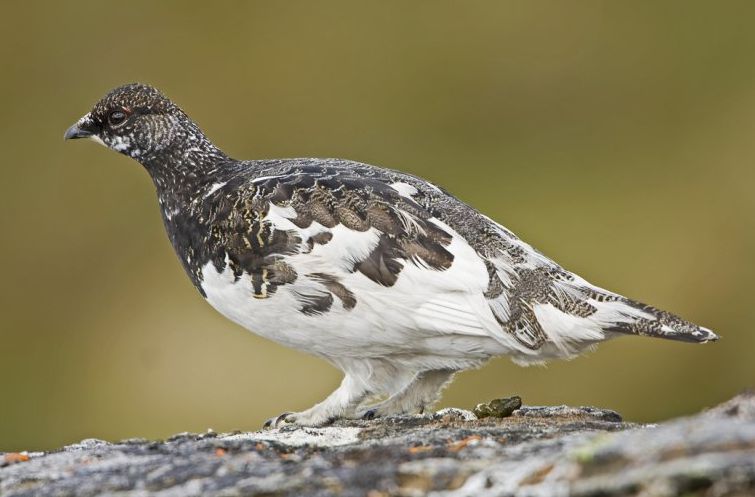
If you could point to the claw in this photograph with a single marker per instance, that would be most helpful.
(286, 417)
(276, 421)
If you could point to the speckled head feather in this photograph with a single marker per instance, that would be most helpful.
(138, 97)
(139, 121)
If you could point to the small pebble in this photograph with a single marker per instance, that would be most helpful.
(498, 408)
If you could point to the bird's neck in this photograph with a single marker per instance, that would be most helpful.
(185, 173)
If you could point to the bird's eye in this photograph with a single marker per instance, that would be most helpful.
(117, 117)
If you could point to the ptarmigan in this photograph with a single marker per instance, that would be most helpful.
(383, 274)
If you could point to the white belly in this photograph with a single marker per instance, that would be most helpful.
(421, 307)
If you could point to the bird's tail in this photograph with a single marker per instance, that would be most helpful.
(646, 320)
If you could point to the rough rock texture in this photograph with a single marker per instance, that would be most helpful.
(538, 451)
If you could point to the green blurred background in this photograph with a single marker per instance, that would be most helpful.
(615, 137)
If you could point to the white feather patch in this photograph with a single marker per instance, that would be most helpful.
(346, 247)
(404, 189)
(120, 143)
(215, 187)
(286, 212)
(445, 315)
(566, 330)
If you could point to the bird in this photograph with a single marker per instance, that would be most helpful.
(387, 276)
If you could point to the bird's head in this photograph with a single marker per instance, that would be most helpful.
(136, 120)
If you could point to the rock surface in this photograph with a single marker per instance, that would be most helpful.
(537, 451)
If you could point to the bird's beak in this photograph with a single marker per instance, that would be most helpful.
(84, 128)
(76, 131)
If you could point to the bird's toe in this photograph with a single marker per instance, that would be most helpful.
(281, 419)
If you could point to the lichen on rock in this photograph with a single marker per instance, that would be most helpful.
(536, 451)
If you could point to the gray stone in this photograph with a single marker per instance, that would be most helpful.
(537, 451)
